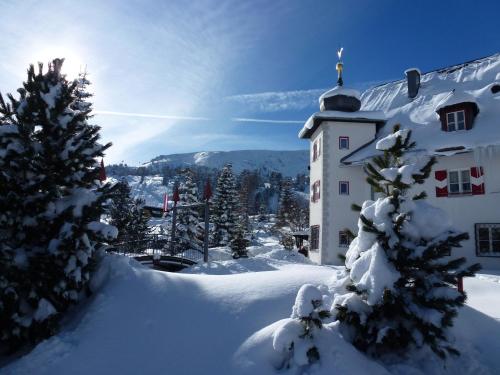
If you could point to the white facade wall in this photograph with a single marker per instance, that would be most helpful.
(333, 211)
(316, 208)
(467, 210)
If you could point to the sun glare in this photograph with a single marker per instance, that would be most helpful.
(73, 63)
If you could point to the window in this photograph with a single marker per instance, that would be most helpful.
(344, 239)
(459, 182)
(455, 121)
(344, 187)
(488, 239)
(316, 149)
(316, 191)
(344, 143)
(314, 237)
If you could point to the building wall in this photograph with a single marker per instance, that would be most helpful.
(316, 208)
(337, 214)
(467, 210)
(334, 213)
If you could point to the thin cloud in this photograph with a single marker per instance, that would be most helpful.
(275, 101)
(149, 115)
(295, 100)
(240, 119)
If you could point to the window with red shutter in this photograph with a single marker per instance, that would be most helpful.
(441, 177)
(477, 180)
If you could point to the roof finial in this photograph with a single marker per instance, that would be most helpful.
(340, 67)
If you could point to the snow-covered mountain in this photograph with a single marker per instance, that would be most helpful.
(288, 163)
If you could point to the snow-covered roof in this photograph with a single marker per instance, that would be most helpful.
(456, 97)
(468, 82)
(340, 90)
(359, 116)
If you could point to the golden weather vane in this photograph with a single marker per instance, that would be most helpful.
(340, 67)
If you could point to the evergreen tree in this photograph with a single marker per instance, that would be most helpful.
(402, 287)
(82, 103)
(188, 230)
(126, 214)
(286, 204)
(52, 231)
(225, 207)
(239, 243)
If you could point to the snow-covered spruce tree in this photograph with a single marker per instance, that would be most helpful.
(225, 207)
(188, 230)
(126, 214)
(296, 338)
(82, 101)
(239, 243)
(402, 285)
(285, 204)
(56, 210)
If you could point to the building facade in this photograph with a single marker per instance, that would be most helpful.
(454, 115)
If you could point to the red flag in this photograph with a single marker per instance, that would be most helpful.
(102, 172)
(165, 202)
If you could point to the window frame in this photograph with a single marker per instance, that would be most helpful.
(316, 149)
(343, 138)
(346, 183)
(489, 226)
(314, 241)
(316, 197)
(348, 239)
(460, 182)
(455, 121)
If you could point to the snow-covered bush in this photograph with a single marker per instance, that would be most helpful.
(239, 243)
(295, 339)
(50, 204)
(402, 291)
(287, 241)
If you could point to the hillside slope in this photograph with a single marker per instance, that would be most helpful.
(288, 163)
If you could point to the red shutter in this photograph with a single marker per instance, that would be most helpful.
(477, 180)
(441, 183)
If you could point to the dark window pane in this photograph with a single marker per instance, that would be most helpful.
(483, 234)
(495, 246)
(484, 246)
(495, 233)
(453, 177)
(454, 188)
(466, 188)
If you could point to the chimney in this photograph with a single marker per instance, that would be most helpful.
(413, 80)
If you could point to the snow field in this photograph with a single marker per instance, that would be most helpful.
(223, 320)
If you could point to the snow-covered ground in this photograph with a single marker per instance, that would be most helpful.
(220, 318)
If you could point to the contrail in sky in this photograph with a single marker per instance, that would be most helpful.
(148, 115)
(195, 118)
(237, 119)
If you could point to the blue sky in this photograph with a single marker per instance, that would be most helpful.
(179, 76)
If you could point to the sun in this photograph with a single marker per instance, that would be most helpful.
(73, 63)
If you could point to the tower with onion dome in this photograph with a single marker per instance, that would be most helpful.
(338, 129)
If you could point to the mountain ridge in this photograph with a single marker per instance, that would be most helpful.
(288, 162)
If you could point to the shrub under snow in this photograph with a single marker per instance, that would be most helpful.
(296, 338)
